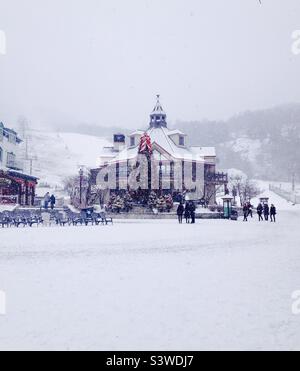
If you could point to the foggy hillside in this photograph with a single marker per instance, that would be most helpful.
(264, 144)
(59, 155)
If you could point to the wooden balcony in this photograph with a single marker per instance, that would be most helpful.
(216, 178)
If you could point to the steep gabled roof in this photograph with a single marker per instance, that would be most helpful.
(158, 109)
(161, 137)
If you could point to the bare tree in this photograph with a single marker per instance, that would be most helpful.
(249, 191)
(236, 185)
(69, 184)
(244, 188)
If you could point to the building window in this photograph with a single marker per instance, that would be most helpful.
(1, 154)
(181, 141)
(165, 170)
(11, 160)
(123, 172)
(132, 141)
(194, 171)
(12, 139)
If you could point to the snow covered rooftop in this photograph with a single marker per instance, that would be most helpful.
(176, 132)
(204, 151)
(158, 109)
(137, 132)
(161, 137)
(163, 141)
(108, 152)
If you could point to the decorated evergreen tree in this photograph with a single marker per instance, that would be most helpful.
(169, 202)
(152, 201)
(161, 204)
(111, 202)
(128, 202)
(118, 204)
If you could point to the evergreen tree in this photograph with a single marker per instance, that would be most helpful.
(128, 202)
(152, 201)
(161, 204)
(169, 202)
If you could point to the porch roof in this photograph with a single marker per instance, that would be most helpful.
(16, 174)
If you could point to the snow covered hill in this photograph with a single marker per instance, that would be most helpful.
(59, 155)
(264, 144)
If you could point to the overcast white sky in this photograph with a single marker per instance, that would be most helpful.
(103, 61)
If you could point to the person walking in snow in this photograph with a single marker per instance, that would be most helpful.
(187, 214)
(180, 212)
(46, 200)
(246, 212)
(52, 202)
(193, 212)
(250, 210)
(273, 213)
(260, 210)
(266, 212)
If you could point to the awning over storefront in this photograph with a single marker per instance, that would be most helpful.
(17, 188)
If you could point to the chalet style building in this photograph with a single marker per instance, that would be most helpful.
(177, 167)
(16, 188)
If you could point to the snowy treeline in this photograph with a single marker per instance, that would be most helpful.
(264, 144)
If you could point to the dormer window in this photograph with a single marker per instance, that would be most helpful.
(181, 141)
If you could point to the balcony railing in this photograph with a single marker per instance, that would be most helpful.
(217, 178)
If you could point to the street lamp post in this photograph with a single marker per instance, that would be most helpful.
(80, 185)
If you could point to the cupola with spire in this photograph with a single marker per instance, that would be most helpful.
(158, 116)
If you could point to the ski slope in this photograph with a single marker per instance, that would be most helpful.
(59, 155)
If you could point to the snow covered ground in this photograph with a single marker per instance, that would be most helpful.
(152, 285)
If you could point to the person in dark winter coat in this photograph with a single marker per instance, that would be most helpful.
(180, 212)
(260, 210)
(273, 213)
(187, 213)
(52, 202)
(266, 212)
(250, 209)
(193, 212)
(246, 212)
